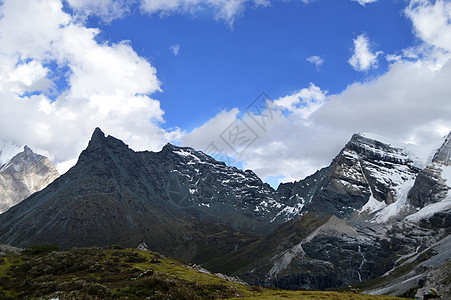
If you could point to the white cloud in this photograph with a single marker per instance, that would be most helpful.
(108, 10)
(393, 57)
(175, 49)
(223, 9)
(363, 59)
(316, 60)
(276, 135)
(364, 2)
(432, 22)
(109, 85)
(304, 102)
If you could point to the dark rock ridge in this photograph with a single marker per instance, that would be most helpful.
(172, 199)
(348, 223)
(26, 173)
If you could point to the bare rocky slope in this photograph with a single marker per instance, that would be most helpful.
(23, 175)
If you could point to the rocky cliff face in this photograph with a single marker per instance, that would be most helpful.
(377, 230)
(366, 176)
(22, 175)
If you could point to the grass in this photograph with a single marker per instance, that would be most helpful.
(116, 273)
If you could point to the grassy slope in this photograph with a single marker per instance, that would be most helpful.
(109, 273)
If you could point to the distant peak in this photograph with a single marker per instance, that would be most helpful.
(27, 149)
(169, 145)
(172, 147)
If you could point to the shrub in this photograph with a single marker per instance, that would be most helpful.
(39, 249)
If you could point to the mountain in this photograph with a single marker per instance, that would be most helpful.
(359, 219)
(366, 176)
(22, 173)
(180, 201)
(377, 214)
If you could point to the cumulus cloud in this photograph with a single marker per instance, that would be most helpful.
(316, 60)
(432, 22)
(364, 2)
(363, 59)
(108, 85)
(223, 9)
(304, 102)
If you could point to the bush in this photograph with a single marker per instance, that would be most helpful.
(39, 249)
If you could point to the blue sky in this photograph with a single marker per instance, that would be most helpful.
(222, 66)
(184, 71)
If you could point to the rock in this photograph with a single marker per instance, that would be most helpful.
(6, 249)
(143, 246)
(23, 175)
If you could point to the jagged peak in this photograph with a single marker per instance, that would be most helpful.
(171, 147)
(97, 139)
(98, 134)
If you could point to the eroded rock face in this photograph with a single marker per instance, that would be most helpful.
(25, 174)
(433, 182)
(364, 168)
(319, 252)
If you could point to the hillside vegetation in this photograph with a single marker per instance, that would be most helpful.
(43, 272)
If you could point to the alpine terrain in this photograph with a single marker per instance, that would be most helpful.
(22, 173)
(378, 217)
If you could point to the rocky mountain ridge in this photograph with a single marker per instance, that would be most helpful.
(361, 218)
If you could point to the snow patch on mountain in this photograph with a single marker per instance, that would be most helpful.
(289, 212)
(397, 207)
(187, 154)
(372, 205)
(431, 209)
